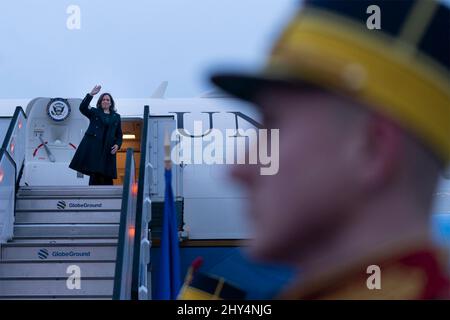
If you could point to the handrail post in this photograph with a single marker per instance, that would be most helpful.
(139, 290)
(125, 247)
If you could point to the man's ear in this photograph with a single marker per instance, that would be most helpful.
(383, 148)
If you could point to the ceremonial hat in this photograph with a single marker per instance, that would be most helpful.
(394, 56)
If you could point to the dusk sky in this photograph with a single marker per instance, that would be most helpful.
(130, 46)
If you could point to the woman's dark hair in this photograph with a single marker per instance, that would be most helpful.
(112, 108)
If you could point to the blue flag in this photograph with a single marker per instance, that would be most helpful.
(169, 281)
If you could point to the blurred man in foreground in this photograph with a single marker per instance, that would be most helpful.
(362, 102)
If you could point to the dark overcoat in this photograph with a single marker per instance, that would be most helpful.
(91, 155)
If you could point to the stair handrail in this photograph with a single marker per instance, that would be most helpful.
(15, 138)
(125, 247)
(12, 158)
(141, 256)
(8, 171)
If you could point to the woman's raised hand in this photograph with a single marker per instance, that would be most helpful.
(95, 90)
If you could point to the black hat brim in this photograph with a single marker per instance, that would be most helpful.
(246, 86)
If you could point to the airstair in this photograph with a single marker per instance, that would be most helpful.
(69, 241)
(56, 232)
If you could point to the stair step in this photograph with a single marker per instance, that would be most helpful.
(56, 228)
(55, 287)
(63, 241)
(68, 204)
(86, 297)
(58, 191)
(68, 217)
(27, 251)
(24, 269)
(66, 230)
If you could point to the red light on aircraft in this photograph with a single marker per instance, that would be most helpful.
(12, 147)
(20, 124)
(134, 189)
(2, 175)
(131, 231)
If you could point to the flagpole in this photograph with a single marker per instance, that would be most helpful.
(169, 282)
(167, 160)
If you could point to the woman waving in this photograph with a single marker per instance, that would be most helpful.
(96, 154)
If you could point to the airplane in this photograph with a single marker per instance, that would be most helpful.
(213, 206)
(209, 196)
(200, 185)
